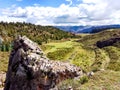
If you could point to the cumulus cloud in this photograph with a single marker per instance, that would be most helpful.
(89, 12)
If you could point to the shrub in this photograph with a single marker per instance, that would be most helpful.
(83, 79)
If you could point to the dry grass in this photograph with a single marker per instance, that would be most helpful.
(4, 56)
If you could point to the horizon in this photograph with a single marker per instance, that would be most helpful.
(61, 25)
(61, 12)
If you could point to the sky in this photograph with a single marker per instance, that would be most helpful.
(61, 12)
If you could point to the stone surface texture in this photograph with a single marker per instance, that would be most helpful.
(30, 69)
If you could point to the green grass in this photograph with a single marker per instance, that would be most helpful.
(71, 51)
(60, 54)
(101, 60)
(101, 80)
(114, 55)
(51, 47)
(86, 55)
(83, 58)
(59, 50)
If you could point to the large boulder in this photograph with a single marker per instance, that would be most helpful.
(30, 69)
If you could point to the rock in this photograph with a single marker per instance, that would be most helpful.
(108, 42)
(70, 88)
(89, 74)
(30, 69)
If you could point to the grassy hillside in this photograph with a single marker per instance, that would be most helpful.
(90, 40)
(83, 52)
(108, 56)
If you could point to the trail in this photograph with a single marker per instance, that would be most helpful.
(72, 56)
(102, 56)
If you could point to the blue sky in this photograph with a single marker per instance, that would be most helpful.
(61, 12)
(24, 3)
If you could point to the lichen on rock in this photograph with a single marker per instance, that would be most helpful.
(30, 69)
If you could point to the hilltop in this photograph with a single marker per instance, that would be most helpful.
(37, 33)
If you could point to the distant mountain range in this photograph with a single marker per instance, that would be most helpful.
(87, 29)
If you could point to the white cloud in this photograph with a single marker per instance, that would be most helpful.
(89, 12)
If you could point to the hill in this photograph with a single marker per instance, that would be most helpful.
(106, 47)
(39, 34)
(86, 53)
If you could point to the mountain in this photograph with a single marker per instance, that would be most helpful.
(87, 29)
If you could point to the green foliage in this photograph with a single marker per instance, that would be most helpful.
(5, 47)
(83, 79)
(39, 34)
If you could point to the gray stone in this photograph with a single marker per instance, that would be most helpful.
(30, 69)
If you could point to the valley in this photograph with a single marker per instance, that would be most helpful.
(82, 51)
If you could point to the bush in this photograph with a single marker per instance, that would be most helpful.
(83, 79)
(5, 47)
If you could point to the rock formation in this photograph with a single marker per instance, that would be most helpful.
(30, 69)
(108, 42)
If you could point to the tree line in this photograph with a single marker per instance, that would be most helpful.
(37, 33)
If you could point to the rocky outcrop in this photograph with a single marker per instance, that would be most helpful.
(30, 69)
(108, 42)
